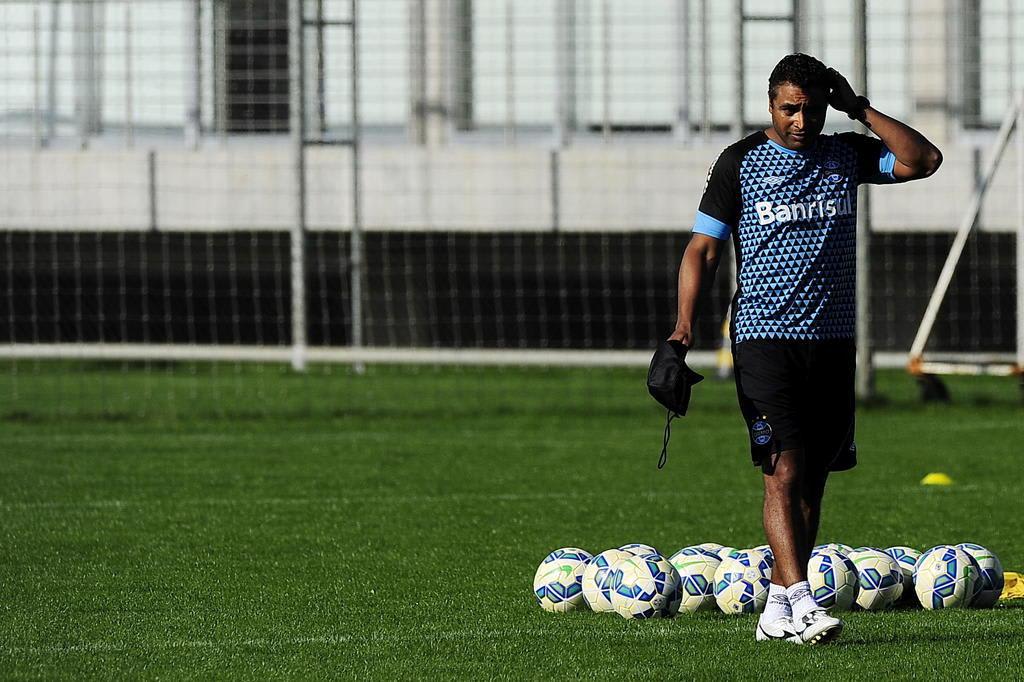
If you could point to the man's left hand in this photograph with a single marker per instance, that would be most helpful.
(841, 96)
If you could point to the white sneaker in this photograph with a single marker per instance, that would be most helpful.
(781, 629)
(817, 627)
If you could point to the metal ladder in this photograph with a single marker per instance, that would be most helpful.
(301, 140)
(742, 19)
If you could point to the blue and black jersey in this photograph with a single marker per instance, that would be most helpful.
(792, 216)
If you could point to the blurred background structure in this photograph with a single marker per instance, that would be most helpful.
(467, 181)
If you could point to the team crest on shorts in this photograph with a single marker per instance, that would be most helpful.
(761, 432)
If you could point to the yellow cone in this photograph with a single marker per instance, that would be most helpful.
(936, 478)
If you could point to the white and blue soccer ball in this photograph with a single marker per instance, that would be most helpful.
(639, 549)
(879, 578)
(946, 578)
(596, 593)
(725, 552)
(644, 587)
(755, 558)
(712, 547)
(925, 553)
(992, 581)
(558, 583)
(833, 580)
(835, 547)
(906, 558)
(863, 548)
(767, 551)
(699, 550)
(696, 567)
(742, 587)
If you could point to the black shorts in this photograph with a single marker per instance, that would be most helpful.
(798, 395)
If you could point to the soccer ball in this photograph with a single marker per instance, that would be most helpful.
(595, 579)
(946, 578)
(712, 547)
(726, 552)
(755, 558)
(558, 583)
(835, 547)
(644, 587)
(833, 580)
(696, 568)
(698, 550)
(925, 553)
(742, 588)
(940, 548)
(991, 575)
(639, 549)
(767, 551)
(906, 558)
(865, 548)
(879, 577)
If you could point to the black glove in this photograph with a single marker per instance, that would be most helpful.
(670, 381)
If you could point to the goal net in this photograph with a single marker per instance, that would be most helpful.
(487, 182)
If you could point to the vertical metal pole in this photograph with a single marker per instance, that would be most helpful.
(564, 76)
(606, 70)
(1020, 231)
(51, 85)
(822, 21)
(571, 77)
(458, 38)
(865, 361)
(705, 73)
(321, 93)
(682, 127)
(585, 20)
(357, 198)
(129, 114)
(84, 52)
(219, 10)
(738, 114)
(193, 90)
(799, 37)
(297, 126)
(37, 125)
(1011, 39)
(510, 72)
(154, 225)
(418, 71)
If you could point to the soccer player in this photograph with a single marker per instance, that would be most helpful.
(787, 197)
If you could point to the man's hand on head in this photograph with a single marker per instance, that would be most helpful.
(841, 95)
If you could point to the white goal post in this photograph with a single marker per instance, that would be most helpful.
(994, 364)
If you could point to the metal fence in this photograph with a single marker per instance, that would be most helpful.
(453, 175)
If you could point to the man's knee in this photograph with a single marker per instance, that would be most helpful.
(786, 472)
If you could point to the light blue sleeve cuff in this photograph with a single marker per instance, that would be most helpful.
(712, 227)
(886, 163)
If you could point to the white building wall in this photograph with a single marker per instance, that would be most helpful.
(642, 39)
(407, 187)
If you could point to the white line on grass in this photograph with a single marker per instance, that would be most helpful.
(11, 505)
(8, 505)
(104, 647)
(323, 640)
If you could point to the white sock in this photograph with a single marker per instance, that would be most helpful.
(777, 605)
(800, 599)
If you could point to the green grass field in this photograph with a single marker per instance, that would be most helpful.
(243, 522)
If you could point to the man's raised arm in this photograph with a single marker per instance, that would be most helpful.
(916, 157)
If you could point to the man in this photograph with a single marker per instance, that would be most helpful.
(787, 197)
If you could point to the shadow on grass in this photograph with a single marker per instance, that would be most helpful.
(904, 638)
